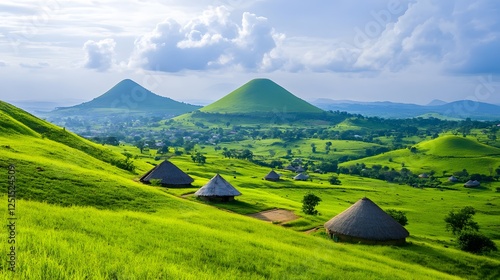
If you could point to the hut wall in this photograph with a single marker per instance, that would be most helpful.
(217, 198)
(351, 239)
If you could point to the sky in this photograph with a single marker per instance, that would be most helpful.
(409, 51)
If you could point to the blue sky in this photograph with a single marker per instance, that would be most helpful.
(198, 51)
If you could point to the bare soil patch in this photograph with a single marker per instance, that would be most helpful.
(275, 215)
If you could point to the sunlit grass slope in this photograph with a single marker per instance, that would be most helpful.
(16, 121)
(444, 154)
(260, 95)
(199, 243)
(82, 218)
(457, 146)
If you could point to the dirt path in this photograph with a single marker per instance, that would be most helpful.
(276, 216)
(312, 230)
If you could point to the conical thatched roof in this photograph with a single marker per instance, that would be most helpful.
(290, 167)
(471, 183)
(365, 220)
(301, 177)
(217, 186)
(272, 176)
(168, 173)
(300, 169)
(453, 179)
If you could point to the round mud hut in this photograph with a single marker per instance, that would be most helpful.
(217, 190)
(453, 179)
(168, 174)
(300, 169)
(472, 184)
(301, 177)
(365, 222)
(272, 176)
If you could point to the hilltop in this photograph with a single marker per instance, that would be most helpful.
(128, 97)
(260, 95)
(445, 154)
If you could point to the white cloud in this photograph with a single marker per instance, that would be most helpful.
(2, 64)
(99, 55)
(39, 65)
(210, 41)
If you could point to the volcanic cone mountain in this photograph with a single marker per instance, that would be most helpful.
(129, 97)
(260, 95)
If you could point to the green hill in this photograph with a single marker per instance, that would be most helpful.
(457, 146)
(128, 97)
(444, 154)
(80, 217)
(260, 95)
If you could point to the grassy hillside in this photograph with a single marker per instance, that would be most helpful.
(457, 146)
(82, 218)
(260, 95)
(16, 121)
(444, 154)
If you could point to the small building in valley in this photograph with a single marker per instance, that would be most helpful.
(472, 184)
(365, 222)
(217, 190)
(452, 179)
(301, 177)
(272, 176)
(168, 174)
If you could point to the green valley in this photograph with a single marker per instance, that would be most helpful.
(83, 214)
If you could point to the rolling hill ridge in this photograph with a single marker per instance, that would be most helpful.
(260, 95)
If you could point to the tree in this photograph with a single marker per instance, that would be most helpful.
(199, 158)
(140, 144)
(398, 215)
(334, 180)
(309, 203)
(188, 146)
(327, 146)
(461, 220)
(475, 242)
(313, 147)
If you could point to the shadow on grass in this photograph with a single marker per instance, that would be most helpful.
(239, 207)
(445, 260)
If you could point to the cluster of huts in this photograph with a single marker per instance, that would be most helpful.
(363, 222)
(217, 189)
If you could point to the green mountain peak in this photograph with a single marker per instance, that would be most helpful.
(260, 95)
(128, 95)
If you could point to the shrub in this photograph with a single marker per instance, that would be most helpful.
(334, 180)
(475, 242)
(398, 215)
(309, 203)
(461, 220)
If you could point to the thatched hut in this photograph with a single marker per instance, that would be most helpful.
(423, 175)
(365, 222)
(217, 189)
(300, 169)
(168, 174)
(301, 177)
(290, 168)
(453, 179)
(272, 176)
(472, 184)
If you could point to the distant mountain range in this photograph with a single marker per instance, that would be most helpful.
(127, 97)
(260, 96)
(437, 108)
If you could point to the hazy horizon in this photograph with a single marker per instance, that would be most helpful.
(399, 51)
